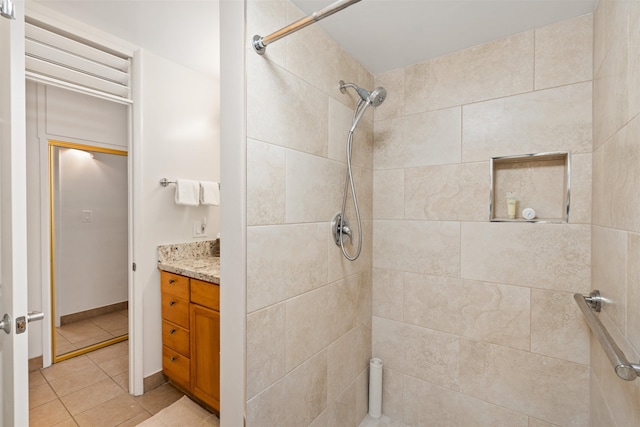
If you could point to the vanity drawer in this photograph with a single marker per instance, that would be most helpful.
(175, 310)
(175, 337)
(176, 367)
(174, 284)
(205, 294)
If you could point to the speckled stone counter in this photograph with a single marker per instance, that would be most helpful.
(198, 260)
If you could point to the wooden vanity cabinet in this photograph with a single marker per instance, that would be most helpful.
(191, 347)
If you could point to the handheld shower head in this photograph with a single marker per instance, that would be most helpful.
(374, 98)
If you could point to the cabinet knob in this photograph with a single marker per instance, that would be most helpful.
(173, 359)
(172, 303)
(171, 281)
(173, 331)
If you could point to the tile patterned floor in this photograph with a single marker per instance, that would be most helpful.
(383, 421)
(92, 391)
(91, 331)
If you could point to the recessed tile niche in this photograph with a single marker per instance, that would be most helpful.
(539, 181)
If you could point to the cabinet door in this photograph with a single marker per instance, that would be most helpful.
(205, 355)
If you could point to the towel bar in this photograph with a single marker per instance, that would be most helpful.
(165, 182)
(624, 369)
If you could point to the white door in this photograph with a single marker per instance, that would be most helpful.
(14, 391)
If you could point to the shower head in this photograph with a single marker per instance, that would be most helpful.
(374, 98)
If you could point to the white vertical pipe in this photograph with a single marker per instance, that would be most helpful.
(375, 387)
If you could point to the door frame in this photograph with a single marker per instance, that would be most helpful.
(62, 22)
(14, 373)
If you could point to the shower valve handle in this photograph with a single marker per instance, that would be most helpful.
(346, 230)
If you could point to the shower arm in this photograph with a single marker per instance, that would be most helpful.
(260, 43)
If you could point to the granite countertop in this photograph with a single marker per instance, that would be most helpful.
(198, 260)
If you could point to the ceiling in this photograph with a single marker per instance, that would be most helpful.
(381, 34)
(387, 34)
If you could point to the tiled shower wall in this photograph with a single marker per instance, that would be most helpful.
(309, 310)
(474, 320)
(616, 204)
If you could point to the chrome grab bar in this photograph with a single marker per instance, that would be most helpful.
(588, 304)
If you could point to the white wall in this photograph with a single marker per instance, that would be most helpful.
(91, 257)
(179, 139)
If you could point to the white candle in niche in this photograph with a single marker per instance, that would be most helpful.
(511, 205)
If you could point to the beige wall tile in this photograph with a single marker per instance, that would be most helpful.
(557, 119)
(265, 183)
(449, 192)
(564, 52)
(558, 328)
(549, 389)
(285, 110)
(340, 121)
(633, 290)
(266, 348)
(433, 249)
(317, 318)
(634, 59)
(599, 23)
(610, 93)
(341, 412)
(296, 262)
(347, 357)
(543, 256)
(263, 18)
(534, 422)
(296, 400)
(581, 189)
(600, 413)
(420, 352)
(388, 294)
(450, 408)
(314, 187)
(388, 194)
(316, 57)
(362, 396)
(491, 70)
(482, 311)
(418, 140)
(600, 210)
(392, 386)
(622, 177)
(609, 265)
(393, 82)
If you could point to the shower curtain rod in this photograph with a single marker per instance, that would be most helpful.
(260, 43)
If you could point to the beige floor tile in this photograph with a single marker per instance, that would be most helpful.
(78, 380)
(67, 423)
(136, 420)
(159, 398)
(120, 332)
(62, 369)
(91, 396)
(80, 331)
(111, 352)
(40, 395)
(115, 366)
(111, 413)
(48, 415)
(36, 379)
(110, 322)
(122, 380)
(94, 340)
(63, 346)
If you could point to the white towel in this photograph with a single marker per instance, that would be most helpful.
(209, 193)
(187, 192)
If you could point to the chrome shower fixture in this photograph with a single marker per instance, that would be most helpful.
(340, 225)
(375, 97)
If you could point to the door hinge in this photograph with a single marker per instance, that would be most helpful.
(134, 266)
